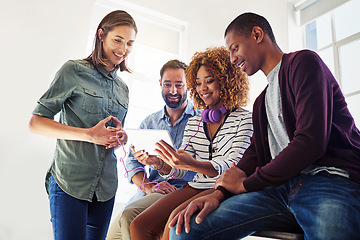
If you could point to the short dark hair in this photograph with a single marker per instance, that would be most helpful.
(172, 64)
(244, 24)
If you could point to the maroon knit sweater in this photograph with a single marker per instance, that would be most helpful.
(320, 127)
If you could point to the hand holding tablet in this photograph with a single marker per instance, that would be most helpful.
(145, 139)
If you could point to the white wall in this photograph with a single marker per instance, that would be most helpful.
(37, 37)
(209, 19)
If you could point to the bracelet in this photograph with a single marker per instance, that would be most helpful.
(162, 166)
(153, 167)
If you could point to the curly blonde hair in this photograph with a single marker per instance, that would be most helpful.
(234, 84)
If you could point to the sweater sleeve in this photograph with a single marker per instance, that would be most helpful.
(307, 100)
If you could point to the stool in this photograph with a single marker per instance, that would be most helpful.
(279, 235)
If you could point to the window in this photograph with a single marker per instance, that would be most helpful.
(148, 56)
(335, 36)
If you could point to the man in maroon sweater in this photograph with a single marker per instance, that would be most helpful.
(302, 169)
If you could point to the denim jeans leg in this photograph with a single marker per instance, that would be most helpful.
(68, 214)
(99, 215)
(77, 219)
(327, 207)
(243, 214)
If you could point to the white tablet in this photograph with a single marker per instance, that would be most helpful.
(145, 139)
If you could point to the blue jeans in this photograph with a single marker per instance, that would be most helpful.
(325, 207)
(78, 219)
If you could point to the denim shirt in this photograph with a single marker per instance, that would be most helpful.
(159, 120)
(84, 95)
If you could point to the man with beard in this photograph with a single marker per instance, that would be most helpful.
(173, 117)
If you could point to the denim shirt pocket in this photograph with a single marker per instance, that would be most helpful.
(93, 101)
(120, 110)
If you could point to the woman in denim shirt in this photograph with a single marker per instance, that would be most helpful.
(92, 101)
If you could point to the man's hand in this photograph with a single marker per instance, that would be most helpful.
(232, 180)
(205, 204)
(146, 159)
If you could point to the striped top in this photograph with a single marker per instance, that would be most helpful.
(228, 145)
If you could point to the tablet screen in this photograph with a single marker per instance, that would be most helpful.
(145, 139)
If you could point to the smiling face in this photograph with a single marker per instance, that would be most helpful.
(173, 87)
(244, 52)
(208, 89)
(117, 45)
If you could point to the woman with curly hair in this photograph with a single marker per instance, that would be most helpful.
(212, 142)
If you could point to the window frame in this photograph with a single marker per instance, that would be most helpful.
(335, 45)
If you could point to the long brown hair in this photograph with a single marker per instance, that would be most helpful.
(107, 24)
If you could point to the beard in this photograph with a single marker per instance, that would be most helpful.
(174, 104)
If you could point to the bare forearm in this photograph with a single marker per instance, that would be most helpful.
(50, 128)
(138, 180)
(218, 195)
(98, 134)
(204, 167)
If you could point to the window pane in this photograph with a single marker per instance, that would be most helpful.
(327, 56)
(353, 105)
(146, 94)
(323, 28)
(349, 64)
(136, 115)
(158, 36)
(347, 19)
(148, 61)
(311, 36)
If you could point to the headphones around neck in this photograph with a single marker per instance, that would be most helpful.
(213, 115)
